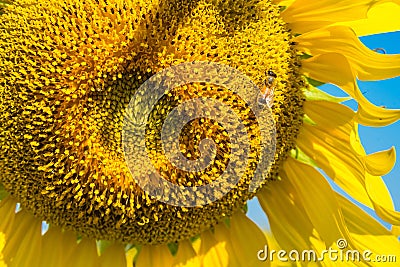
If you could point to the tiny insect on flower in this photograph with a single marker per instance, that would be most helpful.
(267, 94)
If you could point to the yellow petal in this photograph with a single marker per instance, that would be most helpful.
(335, 68)
(222, 234)
(130, 256)
(2, 244)
(290, 225)
(3, 192)
(85, 254)
(367, 64)
(330, 145)
(247, 239)
(305, 15)
(371, 115)
(52, 248)
(368, 234)
(283, 2)
(113, 256)
(7, 207)
(23, 245)
(61, 246)
(7, 214)
(318, 199)
(155, 256)
(273, 245)
(380, 163)
(213, 252)
(354, 237)
(288, 220)
(333, 143)
(186, 256)
(379, 195)
(396, 230)
(381, 18)
(196, 244)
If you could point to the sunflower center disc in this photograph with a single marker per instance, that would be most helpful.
(100, 135)
(196, 174)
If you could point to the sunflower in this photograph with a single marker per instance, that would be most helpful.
(70, 69)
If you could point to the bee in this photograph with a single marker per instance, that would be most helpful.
(267, 95)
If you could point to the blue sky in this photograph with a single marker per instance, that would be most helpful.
(382, 93)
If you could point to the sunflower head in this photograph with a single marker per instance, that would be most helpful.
(68, 71)
(121, 120)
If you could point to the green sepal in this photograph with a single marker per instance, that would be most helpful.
(302, 157)
(173, 248)
(315, 94)
(313, 82)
